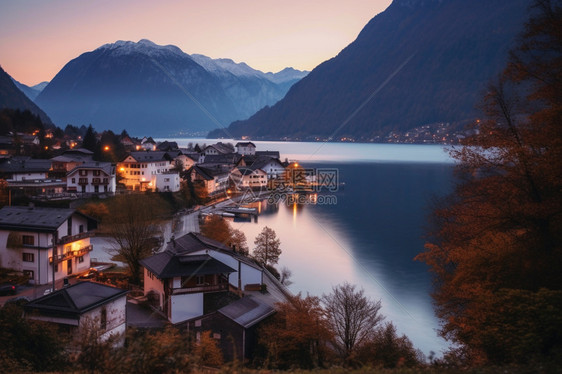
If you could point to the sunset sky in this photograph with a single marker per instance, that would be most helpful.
(38, 37)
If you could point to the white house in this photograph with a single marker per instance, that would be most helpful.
(271, 166)
(29, 236)
(246, 148)
(83, 305)
(245, 178)
(192, 267)
(91, 177)
(19, 169)
(139, 169)
(168, 181)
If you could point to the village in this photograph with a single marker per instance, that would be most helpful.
(194, 283)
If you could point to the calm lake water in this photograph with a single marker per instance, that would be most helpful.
(368, 231)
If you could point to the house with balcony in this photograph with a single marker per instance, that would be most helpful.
(139, 169)
(68, 160)
(185, 277)
(168, 181)
(47, 244)
(22, 168)
(82, 306)
(92, 178)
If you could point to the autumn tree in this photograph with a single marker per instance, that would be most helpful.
(298, 335)
(217, 228)
(133, 225)
(500, 231)
(268, 247)
(207, 351)
(387, 349)
(353, 318)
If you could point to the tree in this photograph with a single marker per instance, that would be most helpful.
(90, 142)
(267, 249)
(207, 351)
(501, 229)
(217, 228)
(297, 335)
(133, 225)
(385, 348)
(353, 318)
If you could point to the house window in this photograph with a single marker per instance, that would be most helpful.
(81, 259)
(198, 323)
(103, 319)
(73, 180)
(28, 239)
(29, 273)
(200, 280)
(28, 257)
(83, 172)
(81, 228)
(96, 173)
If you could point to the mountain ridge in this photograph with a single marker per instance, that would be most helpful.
(148, 88)
(451, 49)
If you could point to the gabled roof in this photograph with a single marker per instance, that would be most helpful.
(150, 156)
(34, 218)
(194, 242)
(76, 299)
(209, 173)
(223, 158)
(247, 171)
(220, 147)
(247, 311)
(245, 144)
(106, 167)
(24, 165)
(168, 264)
(261, 161)
(167, 146)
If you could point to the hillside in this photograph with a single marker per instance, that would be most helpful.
(418, 62)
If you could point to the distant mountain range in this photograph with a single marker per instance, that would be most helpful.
(158, 90)
(12, 97)
(30, 91)
(416, 63)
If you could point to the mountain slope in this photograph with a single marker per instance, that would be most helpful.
(30, 92)
(418, 62)
(151, 89)
(11, 97)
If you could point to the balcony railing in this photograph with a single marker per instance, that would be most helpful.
(197, 289)
(73, 238)
(71, 254)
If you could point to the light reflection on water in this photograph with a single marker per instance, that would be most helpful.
(369, 239)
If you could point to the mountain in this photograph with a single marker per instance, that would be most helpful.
(158, 90)
(11, 97)
(249, 88)
(416, 63)
(30, 92)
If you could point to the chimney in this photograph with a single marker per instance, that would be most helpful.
(173, 241)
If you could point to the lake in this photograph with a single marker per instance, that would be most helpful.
(368, 231)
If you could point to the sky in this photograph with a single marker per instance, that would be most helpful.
(38, 37)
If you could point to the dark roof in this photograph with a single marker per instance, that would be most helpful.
(223, 158)
(76, 299)
(220, 147)
(193, 242)
(245, 144)
(24, 165)
(245, 170)
(247, 311)
(168, 264)
(42, 219)
(37, 219)
(149, 156)
(106, 167)
(209, 172)
(273, 154)
(261, 161)
(167, 146)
